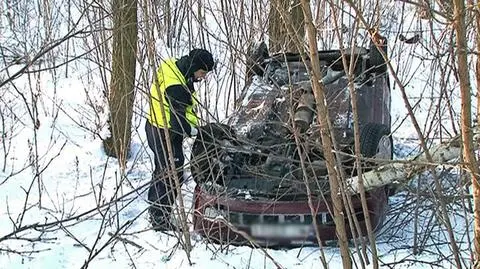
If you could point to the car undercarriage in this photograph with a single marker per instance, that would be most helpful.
(265, 166)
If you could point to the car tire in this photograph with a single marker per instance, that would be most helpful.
(376, 142)
(256, 56)
(376, 59)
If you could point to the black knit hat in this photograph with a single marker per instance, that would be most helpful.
(201, 59)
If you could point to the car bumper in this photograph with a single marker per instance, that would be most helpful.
(269, 223)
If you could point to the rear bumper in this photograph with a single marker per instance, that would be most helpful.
(268, 222)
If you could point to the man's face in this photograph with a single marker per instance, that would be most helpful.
(199, 75)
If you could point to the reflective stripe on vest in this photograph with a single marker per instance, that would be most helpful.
(168, 75)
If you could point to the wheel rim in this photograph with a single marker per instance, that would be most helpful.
(384, 148)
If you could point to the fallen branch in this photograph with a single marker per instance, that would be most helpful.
(402, 171)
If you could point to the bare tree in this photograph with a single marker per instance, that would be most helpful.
(420, 213)
(334, 177)
(122, 84)
(471, 163)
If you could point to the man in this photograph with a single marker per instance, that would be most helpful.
(173, 88)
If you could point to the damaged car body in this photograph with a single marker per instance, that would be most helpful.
(256, 172)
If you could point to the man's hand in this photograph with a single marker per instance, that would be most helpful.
(193, 131)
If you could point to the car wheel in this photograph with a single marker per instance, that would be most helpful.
(376, 59)
(256, 56)
(376, 141)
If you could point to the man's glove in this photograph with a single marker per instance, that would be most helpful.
(193, 131)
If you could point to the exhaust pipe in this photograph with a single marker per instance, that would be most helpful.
(304, 112)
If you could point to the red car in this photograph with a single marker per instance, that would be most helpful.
(253, 176)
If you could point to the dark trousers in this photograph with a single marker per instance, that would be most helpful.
(162, 191)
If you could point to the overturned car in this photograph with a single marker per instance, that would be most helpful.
(254, 173)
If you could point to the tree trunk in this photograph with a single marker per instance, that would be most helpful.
(334, 177)
(122, 83)
(466, 120)
(283, 14)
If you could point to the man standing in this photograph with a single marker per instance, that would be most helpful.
(173, 88)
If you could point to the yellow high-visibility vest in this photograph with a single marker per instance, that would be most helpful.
(168, 74)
